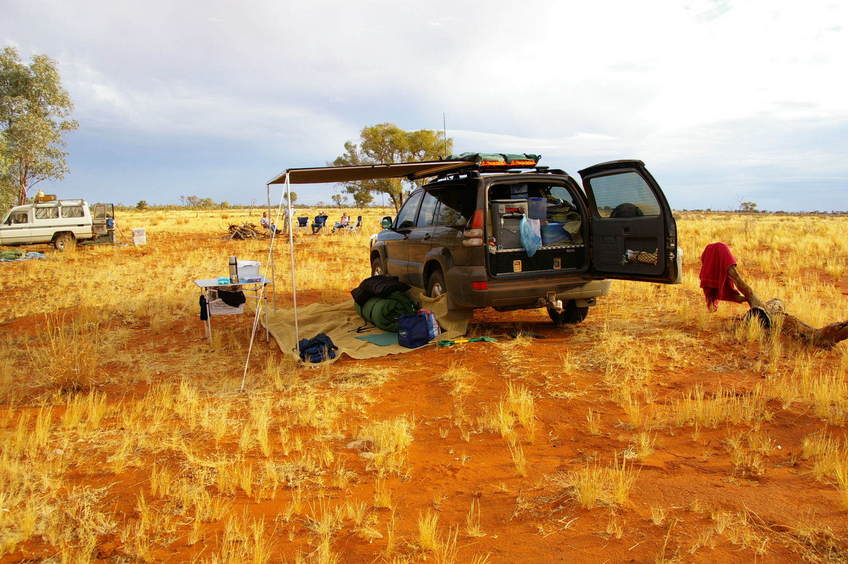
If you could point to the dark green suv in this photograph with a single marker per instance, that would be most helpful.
(531, 237)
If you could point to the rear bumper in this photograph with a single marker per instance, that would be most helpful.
(517, 293)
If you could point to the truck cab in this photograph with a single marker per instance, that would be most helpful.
(62, 223)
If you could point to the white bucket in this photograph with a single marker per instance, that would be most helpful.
(139, 236)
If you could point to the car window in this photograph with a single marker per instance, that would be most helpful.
(428, 208)
(72, 211)
(406, 215)
(19, 217)
(455, 206)
(51, 212)
(625, 194)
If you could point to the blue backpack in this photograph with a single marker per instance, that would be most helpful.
(414, 330)
(317, 349)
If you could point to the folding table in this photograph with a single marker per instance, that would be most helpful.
(252, 287)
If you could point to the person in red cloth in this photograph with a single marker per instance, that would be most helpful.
(721, 281)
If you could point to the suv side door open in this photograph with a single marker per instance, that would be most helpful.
(632, 233)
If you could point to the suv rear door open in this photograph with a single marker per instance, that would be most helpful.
(632, 233)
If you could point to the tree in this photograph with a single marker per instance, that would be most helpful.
(141, 205)
(361, 197)
(387, 143)
(33, 112)
(339, 199)
(749, 207)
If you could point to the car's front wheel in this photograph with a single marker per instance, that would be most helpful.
(570, 315)
(436, 284)
(65, 242)
(377, 266)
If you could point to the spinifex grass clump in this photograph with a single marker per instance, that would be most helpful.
(389, 440)
(830, 461)
(724, 406)
(65, 356)
(595, 484)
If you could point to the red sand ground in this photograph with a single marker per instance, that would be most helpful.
(525, 519)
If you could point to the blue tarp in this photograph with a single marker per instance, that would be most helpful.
(21, 256)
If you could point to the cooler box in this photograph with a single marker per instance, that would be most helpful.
(248, 269)
(506, 222)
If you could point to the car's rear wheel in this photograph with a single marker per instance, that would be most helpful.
(65, 242)
(570, 314)
(436, 284)
(377, 266)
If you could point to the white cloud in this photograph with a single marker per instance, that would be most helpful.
(676, 83)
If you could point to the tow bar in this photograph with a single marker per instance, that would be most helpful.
(552, 302)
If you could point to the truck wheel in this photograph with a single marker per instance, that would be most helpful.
(65, 242)
(436, 284)
(377, 266)
(570, 315)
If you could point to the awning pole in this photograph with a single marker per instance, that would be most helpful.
(271, 254)
(293, 271)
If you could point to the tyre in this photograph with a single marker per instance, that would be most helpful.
(65, 242)
(570, 315)
(436, 284)
(377, 266)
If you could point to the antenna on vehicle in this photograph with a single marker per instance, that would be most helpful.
(445, 133)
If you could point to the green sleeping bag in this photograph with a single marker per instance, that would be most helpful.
(384, 312)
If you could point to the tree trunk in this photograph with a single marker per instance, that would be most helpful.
(790, 326)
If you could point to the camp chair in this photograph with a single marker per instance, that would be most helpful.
(318, 223)
(355, 226)
(303, 222)
(339, 226)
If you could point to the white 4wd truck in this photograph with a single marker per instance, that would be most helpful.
(61, 223)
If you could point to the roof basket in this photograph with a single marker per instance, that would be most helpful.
(493, 162)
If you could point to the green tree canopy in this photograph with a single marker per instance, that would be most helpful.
(387, 143)
(33, 112)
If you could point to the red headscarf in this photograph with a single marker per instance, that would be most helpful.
(715, 261)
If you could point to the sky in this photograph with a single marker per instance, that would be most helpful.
(725, 101)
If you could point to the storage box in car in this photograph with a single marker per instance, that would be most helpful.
(506, 222)
(554, 233)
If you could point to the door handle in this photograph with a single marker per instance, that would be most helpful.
(426, 236)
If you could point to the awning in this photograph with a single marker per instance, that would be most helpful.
(368, 172)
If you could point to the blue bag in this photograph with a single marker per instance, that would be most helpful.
(317, 349)
(531, 237)
(414, 330)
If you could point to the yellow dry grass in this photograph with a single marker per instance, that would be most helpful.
(123, 436)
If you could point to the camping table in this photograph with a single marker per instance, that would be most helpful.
(254, 285)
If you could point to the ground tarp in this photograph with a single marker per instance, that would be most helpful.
(340, 322)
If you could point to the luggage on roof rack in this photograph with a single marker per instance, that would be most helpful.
(499, 160)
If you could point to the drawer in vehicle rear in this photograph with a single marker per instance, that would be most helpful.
(555, 258)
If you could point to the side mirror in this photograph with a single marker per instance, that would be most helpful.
(386, 222)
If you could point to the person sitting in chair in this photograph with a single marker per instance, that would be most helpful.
(266, 223)
(342, 223)
(320, 221)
